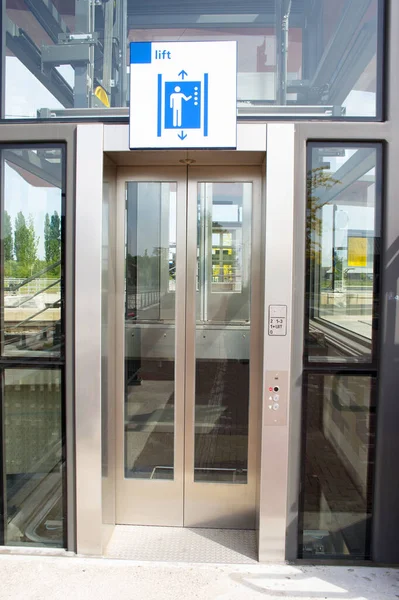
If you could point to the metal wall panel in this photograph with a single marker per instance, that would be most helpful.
(250, 137)
(88, 240)
(108, 266)
(277, 350)
(385, 535)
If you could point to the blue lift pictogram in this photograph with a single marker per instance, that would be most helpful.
(185, 105)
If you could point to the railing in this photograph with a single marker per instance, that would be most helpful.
(16, 283)
(142, 300)
(27, 291)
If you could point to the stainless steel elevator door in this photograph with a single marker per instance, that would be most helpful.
(189, 346)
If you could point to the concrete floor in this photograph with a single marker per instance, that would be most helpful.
(77, 578)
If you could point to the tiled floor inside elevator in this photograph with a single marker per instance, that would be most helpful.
(180, 544)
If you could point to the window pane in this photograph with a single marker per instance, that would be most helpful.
(294, 57)
(337, 476)
(223, 332)
(34, 457)
(343, 246)
(150, 330)
(32, 252)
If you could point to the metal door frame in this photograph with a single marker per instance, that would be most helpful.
(173, 494)
(208, 503)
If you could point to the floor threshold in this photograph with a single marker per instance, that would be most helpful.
(182, 544)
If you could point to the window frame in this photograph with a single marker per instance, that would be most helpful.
(369, 368)
(371, 467)
(308, 364)
(121, 114)
(38, 362)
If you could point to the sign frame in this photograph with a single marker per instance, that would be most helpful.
(176, 107)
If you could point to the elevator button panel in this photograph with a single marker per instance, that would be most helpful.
(275, 398)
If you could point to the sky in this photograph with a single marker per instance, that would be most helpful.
(25, 94)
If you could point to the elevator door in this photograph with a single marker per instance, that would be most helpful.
(189, 346)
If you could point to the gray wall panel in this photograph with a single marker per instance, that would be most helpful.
(385, 547)
(89, 181)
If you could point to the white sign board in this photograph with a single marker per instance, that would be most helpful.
(277, 319)
(183, 95)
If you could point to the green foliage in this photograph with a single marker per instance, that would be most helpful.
(52, 241)
(47, 237)
(142, 271)
(318, 180)
(21, 248)
(25, 245)
(8, 245)
(338, 267)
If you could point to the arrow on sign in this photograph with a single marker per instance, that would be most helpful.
(183, 74)
(182, 135)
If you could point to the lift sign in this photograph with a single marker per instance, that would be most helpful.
(183, 95)
(277, 319)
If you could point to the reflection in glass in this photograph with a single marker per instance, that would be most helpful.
(150, 329)
(223, 332)
(343, 246)
(336, 485)
(294, 58)
(34, 457)
(32, 239)
(106, 291)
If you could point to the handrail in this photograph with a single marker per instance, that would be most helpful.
(55, 304)
(38, 293)
(17, 286)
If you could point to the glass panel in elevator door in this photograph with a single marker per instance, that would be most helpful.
(150, 283)
(223, 306)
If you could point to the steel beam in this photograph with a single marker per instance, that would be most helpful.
(48, 17)
(24, 48)
(352, 170)
(332, 55)
(32, 163)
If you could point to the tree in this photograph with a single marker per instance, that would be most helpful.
(25, 244)
(52, 240)
(55, 237)
(47, 238)
(8, 246)
(318, 181)
(20, 237)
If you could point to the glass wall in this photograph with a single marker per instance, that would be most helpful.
(223, 332)
(338, 460)
(150, 322)
(343, 240)
(343, 252)
(34, 457)
(32, 346)
(32, 222)
(295, 57)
